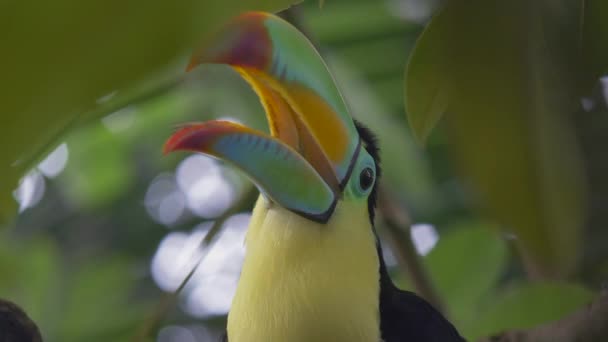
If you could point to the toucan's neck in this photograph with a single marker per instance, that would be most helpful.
(303, 281)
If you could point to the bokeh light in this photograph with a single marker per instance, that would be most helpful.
(207, 190)
(387, 253)
(120, 120)
(164, 200)
(212, 295)
(32, 186)
(55, 162)
(413, 10)
(424, 236)
(604, 86)
(174, 333)
(30, 191)
(188, 333)
(212, 286)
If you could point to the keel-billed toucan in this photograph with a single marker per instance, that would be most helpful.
(313, 270)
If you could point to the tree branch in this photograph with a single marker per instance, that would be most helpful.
(168, 302)
(397, 223)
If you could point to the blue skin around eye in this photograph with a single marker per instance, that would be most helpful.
(364, 160)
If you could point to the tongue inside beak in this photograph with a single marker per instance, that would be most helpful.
(306, 161)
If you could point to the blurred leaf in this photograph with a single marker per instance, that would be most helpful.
(506, 77)
(31, 278)
(337, 23)
(99, 169)
(98, 303)
(9, 268)
(91, 302)
(378, 59)
(529, 304)
(425, 90)
(466, 265)
(40, 280)
(594, 35)
(61, 57)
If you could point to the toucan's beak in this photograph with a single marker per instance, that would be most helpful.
(306, 161)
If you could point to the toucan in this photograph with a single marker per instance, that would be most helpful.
(313, 270)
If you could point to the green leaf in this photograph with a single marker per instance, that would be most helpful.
(466, 266)
(526, 305)
(60, 57)
(99, 301)
(337, 22)
(95, 298)
(503, 72)
(593, 38)
(425, 92)
(40, 279)
(99, 170)
(31, 278)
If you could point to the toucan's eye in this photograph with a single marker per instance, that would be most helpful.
(366, 178)
(363, 177)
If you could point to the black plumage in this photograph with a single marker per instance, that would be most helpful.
(404, 316)
(15, 325)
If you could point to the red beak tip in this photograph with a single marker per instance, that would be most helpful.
(170, 146)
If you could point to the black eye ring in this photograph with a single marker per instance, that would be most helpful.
(366, 178)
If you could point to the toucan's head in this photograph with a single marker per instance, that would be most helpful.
(315, 155)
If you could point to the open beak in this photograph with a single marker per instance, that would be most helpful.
(304, 164)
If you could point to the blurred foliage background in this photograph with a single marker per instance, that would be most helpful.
(506, 194)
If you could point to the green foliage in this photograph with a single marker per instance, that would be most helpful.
(468, 266)
(109, 167)
(425, 88)
(33, 277)
(593, 37)
(525, 305)
(336, 23)
(504, 79)
(70, 302)
(465, 267)
(60, 57)
(94, 293)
